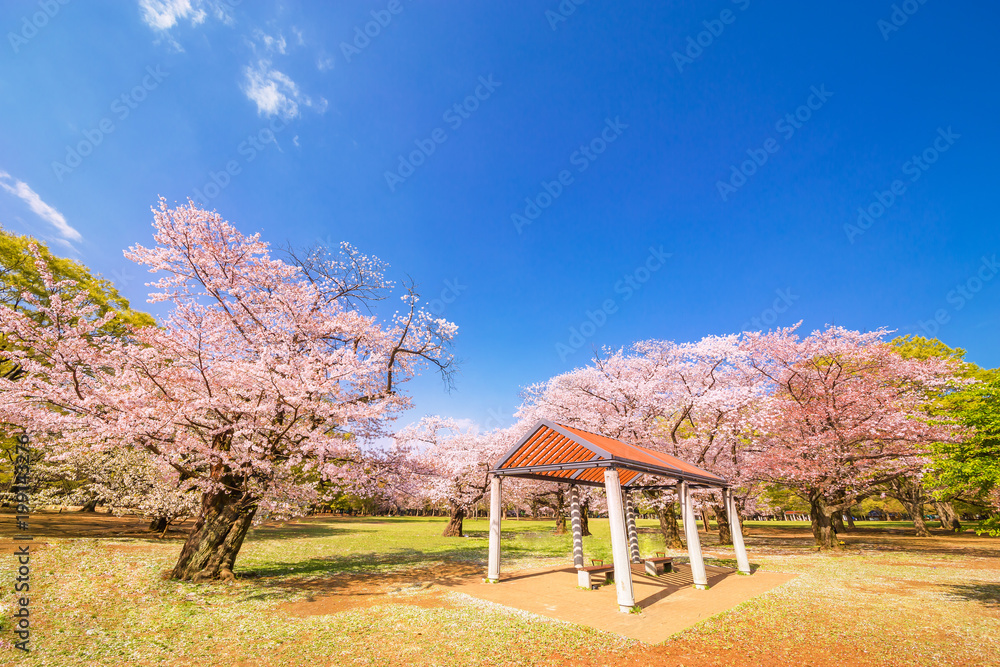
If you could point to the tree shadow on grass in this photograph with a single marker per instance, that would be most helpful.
(404, 567)
(988, 594)
(464, 552)
(302, 530)
(363, 562)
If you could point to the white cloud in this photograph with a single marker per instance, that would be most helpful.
(274, 92)
(295, 140)
(165, 14)
(298, 36)
(325, 62)
(50, 215)
(272, 44)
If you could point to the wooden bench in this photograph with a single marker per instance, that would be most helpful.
(658, 565)
(585, 575)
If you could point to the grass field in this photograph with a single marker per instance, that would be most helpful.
(375, 591)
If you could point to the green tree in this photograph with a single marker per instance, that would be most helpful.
(968, 470)
(19, 276)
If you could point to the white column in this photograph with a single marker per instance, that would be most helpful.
(576, 521)
(682, 501)
(734, 526)
(496, 513)
(619, 541)
(693, 540)
(633, 536)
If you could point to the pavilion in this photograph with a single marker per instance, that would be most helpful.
(556, 453)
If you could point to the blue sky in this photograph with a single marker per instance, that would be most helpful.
(553, 176)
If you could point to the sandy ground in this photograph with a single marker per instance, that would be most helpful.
(669, 603)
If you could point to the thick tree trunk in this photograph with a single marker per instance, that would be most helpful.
(912, 495)
(454, 527)
(585, 519)
(89, 506)
(668, 526)
(158, 525)
(838, 522)
(213, 544)
(560, 513)
(850, 520)
(725, 531)
(916, 510)
(948, 517)
(822, 524)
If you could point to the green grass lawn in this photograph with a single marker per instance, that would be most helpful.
(104, 602)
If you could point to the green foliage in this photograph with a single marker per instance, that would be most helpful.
(973, 465)
(785, 498)
(18, 275)
(989, 527)
(970, 468)
(918, 347)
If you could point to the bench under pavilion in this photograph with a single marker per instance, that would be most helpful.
(557, 453)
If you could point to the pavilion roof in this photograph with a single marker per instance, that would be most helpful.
(559, 453)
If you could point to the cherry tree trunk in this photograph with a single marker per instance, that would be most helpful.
(454, 527)
(213, 544)
(850, 520)
(560, 514)
(725, 530)
(838, 522)
(668, 526)
(89, 506)
(158, 525)
(948, 516)
(822, 524)
(706, 519)
(916, 510)
(585, 520)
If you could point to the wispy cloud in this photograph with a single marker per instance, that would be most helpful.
(165, 14)
(273, 44)
(274, 92)
(23, 191)
(325, 62)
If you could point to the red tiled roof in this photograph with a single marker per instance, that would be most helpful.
(566, 454)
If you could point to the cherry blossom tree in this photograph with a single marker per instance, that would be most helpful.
(449, 461)
(843, 415)
(265, 372)
(688, 400)
(131, 481)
